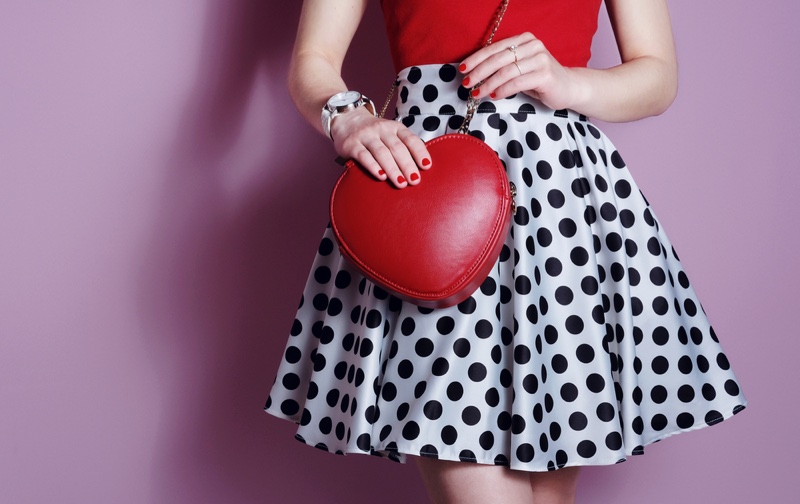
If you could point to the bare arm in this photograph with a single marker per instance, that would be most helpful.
(644, 84)
(323, 36)
(387, 149)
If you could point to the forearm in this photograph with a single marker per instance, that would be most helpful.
(636, 89)
(323, 36)
(312, 80)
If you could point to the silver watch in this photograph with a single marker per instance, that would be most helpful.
(341, 103)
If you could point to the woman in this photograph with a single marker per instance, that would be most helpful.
(587, 341)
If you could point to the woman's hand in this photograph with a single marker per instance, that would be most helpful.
(520, 64)
(386, 149)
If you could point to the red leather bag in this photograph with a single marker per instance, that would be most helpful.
(432, 244)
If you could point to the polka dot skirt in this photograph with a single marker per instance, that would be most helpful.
(585, 344)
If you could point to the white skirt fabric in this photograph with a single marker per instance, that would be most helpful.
(585, 344)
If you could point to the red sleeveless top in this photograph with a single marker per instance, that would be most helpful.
(447, 31)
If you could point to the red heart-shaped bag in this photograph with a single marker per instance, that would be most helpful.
(433, 243)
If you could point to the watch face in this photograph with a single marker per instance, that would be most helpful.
(344, 99)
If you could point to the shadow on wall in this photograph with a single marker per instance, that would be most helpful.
(237, 224)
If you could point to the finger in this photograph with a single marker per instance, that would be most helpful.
(368, 162)
(493, 64)
(404, 161)
(527, 84)
(515, 75)
(386, 159)
(506, 74)
(476, 58)
(532, 84)
(417, 148)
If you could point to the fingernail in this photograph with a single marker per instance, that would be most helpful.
(465, 82)
(381, 173)
(401, 180)
(493, 95)
(476, 92)
(462, 67)
(426, 162)
(414, 177)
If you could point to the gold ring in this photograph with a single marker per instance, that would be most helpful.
(513, 49)
(518, 68)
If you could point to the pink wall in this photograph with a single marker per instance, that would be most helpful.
(160, 202)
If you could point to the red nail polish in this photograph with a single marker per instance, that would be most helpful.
(462, 67)
(476, 92)
(381, 173)
(465, 82)
(493, 95)
(426, 162)
(414, 177)
(401, 180)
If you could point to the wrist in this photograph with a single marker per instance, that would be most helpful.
(581, 92)
(343, 103)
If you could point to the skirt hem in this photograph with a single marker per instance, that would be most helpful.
(400, 454)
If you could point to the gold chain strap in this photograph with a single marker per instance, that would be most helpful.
(472, 103)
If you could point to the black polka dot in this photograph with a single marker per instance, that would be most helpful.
(585, 353)
(424, 347)
(486, 440)
(445, 325)
(614, 441)
(616, 160)
(455, 391)
(732, 388)
(290, 407)
(685, 420)
(595, 383)
(471, 415)
(554, 132)
(574, 324)
(586, 449)
(430, 93)
(579, 256)
(449, 435)
(578, 421)
(325, 247)
(608, 212)
(567, 158)
(564, 295)
(555, 198)
(686, 393)
(530, 383)
(525, 452)
(476, 372)
(292, 354)
(514, 149)
(622, 188)
(544, 170)
(605, 412)
(659, 394)
(440, 367)
(527, 177)
(447, 73)
(580, 187)
(659, 422)
(405, 369)
(533, 141)
(492, 397)
(567, 227)
(569, 392)
(431, 123)
(660, 365)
